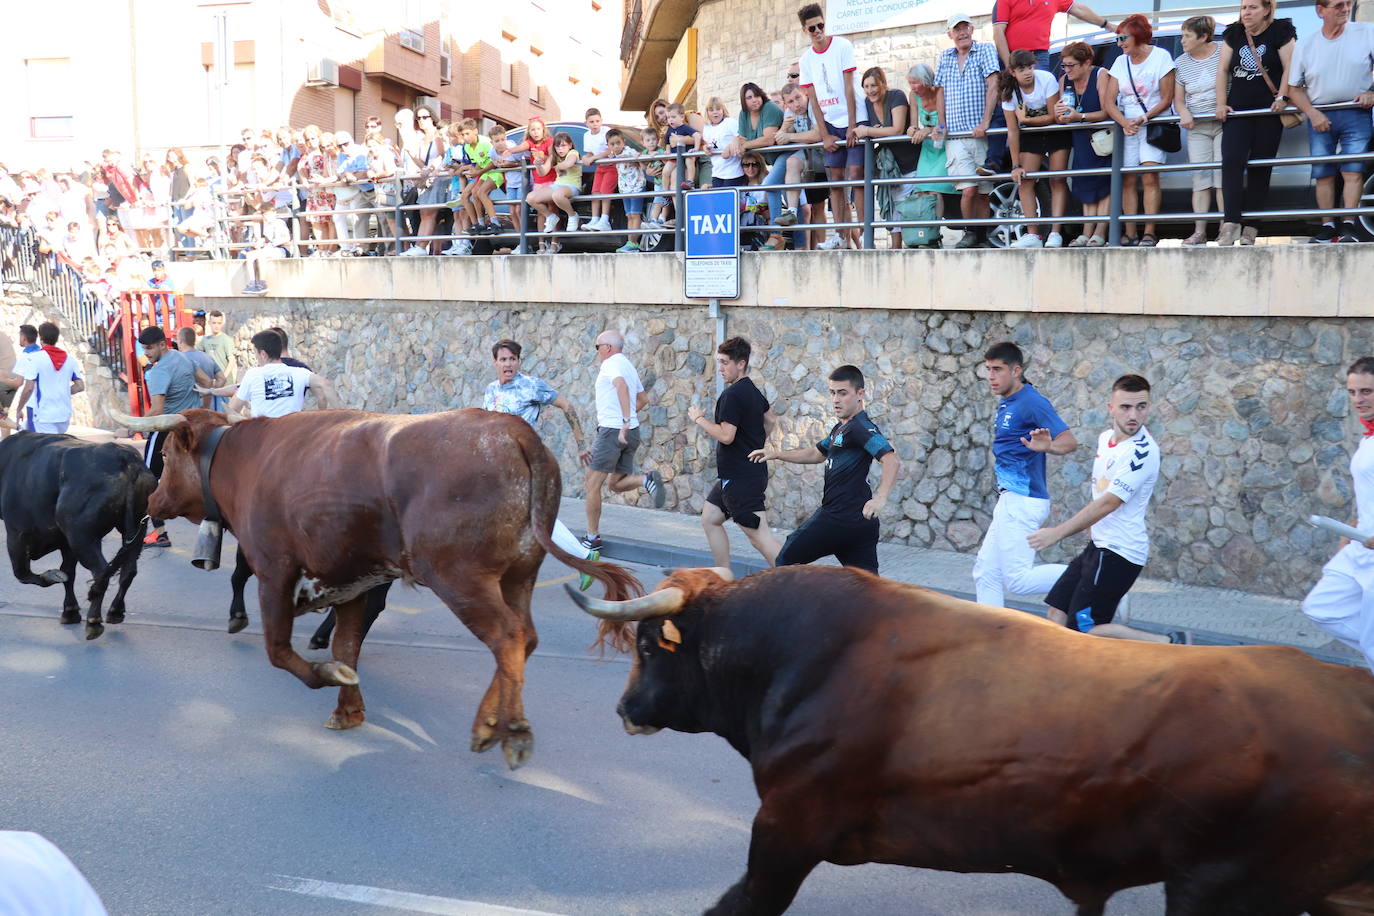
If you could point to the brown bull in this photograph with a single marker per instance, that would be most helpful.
(328, 504)
(888, 723)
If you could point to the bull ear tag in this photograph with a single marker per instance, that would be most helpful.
(670, 638)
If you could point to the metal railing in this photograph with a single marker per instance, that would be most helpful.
(520, 236)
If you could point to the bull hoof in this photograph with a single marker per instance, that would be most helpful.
(52, 577)
(70, 616)
(341, 719)
(336, 673)
(115, 615)
(237, 622)
(518, 748)
(94, 628)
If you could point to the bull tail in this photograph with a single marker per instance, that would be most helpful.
(546, 487)
(139, 487)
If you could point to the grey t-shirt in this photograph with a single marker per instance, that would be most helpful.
(174, 378)
(1334, 70)
(202, 361)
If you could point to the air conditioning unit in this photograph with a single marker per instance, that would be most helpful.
(323, 72)
(445, 70)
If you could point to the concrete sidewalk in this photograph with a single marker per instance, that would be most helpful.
(1216, 616)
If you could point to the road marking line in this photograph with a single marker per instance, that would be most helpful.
(400, 900)
(559, 581)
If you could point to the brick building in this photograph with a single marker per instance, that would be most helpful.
(145, 75)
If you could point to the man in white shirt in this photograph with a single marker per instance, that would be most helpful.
(1329, 66)
(830, 78)
(51, 377)
(274, 389)
(617, 434)
(1124, 473)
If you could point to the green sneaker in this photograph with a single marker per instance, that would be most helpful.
(627, 247)
(586, 581)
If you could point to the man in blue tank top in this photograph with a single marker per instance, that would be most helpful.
(1027, 428)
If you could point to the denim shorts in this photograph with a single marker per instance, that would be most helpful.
(844, 155)
(1350, 132)
(633, 205)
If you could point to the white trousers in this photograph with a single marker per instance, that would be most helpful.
(1342, 601)
(563, 537)
(1006, 563)
(40, 427)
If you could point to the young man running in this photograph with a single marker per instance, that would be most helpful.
(743, 422)
(846, 524)
(1027, 428)
(525, 396)
(1124, 473)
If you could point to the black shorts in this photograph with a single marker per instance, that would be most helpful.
(152, 451)
(1046, 142)
(1092, 587)
(740, 499)
(815, 195)
(853, 543)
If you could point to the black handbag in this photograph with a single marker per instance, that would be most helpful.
(1167, 136)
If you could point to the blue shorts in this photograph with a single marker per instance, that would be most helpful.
(844, 155)
(1349, 132)
(634, 205)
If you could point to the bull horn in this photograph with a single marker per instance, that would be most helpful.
(723, 572)
(661, 603)
(147, 424)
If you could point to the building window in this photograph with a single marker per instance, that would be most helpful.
(50, 94)
(412, 34)
(508, 80)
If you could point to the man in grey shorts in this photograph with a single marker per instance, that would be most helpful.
(617, 434)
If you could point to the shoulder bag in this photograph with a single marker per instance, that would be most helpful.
(1167, 137)
(1287, 118)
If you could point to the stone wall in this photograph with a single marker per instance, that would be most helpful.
(88, 408)
(1251, 412)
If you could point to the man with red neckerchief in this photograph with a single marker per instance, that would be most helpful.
(1342, 601)
(51, 377)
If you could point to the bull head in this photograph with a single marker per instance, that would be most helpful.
(662, 603)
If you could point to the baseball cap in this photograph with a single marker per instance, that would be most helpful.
(957, 18)
(157, 262)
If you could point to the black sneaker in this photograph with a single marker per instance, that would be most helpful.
(1326, 234)
(592, 542)
(653, 485)
(1180, 638)
(1349, 233)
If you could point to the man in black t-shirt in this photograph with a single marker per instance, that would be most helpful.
(742, 425)
(846, 524)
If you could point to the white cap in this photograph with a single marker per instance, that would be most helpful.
(957, 18)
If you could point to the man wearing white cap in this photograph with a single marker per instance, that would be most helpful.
(965, 98)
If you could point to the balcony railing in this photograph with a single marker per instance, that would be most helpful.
(630, 36)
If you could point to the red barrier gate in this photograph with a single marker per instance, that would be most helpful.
(138, 309)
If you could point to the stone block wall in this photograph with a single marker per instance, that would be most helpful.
(1251, 412)
(90, 407)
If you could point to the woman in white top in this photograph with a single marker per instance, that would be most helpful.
(1140, 86)
(1029, 97)
(1195, 102)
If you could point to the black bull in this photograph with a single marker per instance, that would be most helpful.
(888, 723)
(60, 493)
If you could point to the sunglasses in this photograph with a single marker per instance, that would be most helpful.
(598, 347)
(425, 117)
(817, 27)
(1120, 39)
(750, 165)
(793, 76)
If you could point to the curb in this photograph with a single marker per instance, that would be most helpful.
(649, 553)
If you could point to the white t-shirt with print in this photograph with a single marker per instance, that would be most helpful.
(1037, 97)
(1128, 470)
(274, 390)
(608, 414)
(720, 135)
(1147, 76)
(826, 72)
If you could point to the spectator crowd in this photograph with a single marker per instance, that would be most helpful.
(309, 192)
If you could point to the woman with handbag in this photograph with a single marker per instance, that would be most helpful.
(1140, 86)
(1255, 54)
(1080, 101)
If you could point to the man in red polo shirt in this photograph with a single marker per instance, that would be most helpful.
(1024, 25)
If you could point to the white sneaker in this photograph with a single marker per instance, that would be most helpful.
(414, 251)
(572, 223)
(1054, 240)
(606, 224)
(454, 248)
(551, 222)
(831, 243)
(464, 246)
(1029, 240)
(594, 225)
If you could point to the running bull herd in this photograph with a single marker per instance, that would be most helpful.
(883, 722)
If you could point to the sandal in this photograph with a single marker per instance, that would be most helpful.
(1080, 242)
(1096, 241)
(1128, 241)
(1197, 238)
(1147, 241)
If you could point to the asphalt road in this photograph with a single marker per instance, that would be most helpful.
(185, 775)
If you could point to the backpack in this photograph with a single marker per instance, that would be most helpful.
(920, 205)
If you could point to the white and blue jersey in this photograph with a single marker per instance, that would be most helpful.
(523, 396)
(1020, 470)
